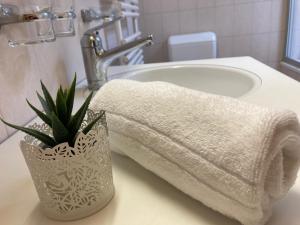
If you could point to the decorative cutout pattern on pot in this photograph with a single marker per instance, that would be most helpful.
(72, 182)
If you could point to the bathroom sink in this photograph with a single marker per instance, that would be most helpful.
(221, 80)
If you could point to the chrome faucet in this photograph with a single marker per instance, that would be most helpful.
(97, 59)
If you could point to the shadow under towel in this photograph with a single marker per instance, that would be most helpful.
(234, 157)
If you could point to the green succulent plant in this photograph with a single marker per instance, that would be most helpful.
(58, 115)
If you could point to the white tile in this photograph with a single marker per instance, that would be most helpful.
(242, 45)
(187, 4)
(224, 20)
(170, 24)
(243, 1)
(152, 6)
(188, 21)
(156, 53)
(206, 3)
(243, 19)
(225, 47)
(276, 48)
(169, 5)
(262, 17)
(224, 2)
(279, 15)
(260, 47)
(153, 25)
(207, 19)
(31, 67)
(142, 23)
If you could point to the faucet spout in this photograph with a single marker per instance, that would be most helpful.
(115, 53)
(97, 60)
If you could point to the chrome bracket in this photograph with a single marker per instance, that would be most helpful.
(105, 12)
(9, 14)
(89, 15)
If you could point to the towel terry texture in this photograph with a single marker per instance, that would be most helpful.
(234, 157)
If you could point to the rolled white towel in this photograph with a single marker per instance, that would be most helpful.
(234, 157)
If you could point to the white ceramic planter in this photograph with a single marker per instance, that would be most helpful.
(72, 182)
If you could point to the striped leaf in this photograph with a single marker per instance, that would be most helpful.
(48, 98)
(77, 119)
(43, 116)
(60, 132)
(37, 134)
(61, 107)
(70, 97)
(44, 104)
(91, 124)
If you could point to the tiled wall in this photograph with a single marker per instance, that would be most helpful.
(22, 68)
(244, 27)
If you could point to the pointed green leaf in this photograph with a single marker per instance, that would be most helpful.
(44, 104)
(62, 93)
(77, 119)
(37, 134)
(43, 116)
(48, 98)
(66, 94)
(91, 124)
(71, 96)
(60, 132)
(61, 107)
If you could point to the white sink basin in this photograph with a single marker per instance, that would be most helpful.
(221, 80)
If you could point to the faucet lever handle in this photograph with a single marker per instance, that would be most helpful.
(93, 40)
(98, 43)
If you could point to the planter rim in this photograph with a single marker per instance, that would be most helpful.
(30, 142)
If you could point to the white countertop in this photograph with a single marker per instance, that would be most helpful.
(141, 197)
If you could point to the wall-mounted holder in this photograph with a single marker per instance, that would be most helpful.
(8, 14)
(31, 24)
(63, 18)
(103, 13)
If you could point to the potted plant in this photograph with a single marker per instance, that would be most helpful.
(68, 156)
